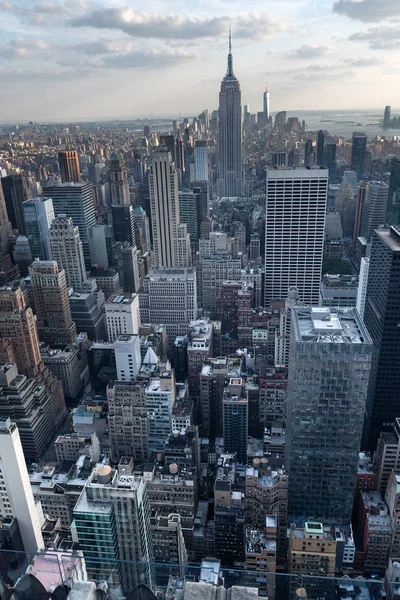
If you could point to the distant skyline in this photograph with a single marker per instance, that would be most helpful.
(93, 60)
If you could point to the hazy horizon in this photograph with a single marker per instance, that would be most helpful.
(81, 60)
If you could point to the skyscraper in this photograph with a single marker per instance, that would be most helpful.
(360, 203)
(294, 232)
(75, 200)
(66, 249)
(121, 209)
(188, 214)
(381, 316)
(320, 148)
(393, 207)
(50, 293)
(122, 316)
(16, 191)
(16, 497)
(142, 222)
(362, 286)
(38, 215)
(22, 254)
(17, 324)
(201, 160)
(69, 166)
(329, 363)
(358, 152)
(119, 184)
(169, 296)
(18, 327)
(374, 209)
(128, 421)
(29, 404)
(130, 268)
(386, 116)
(330, 160)
(266, 104)
(230, 133)
(308, 154)
(6, 268)
(235, 419)
(170, 238)
(114, 508)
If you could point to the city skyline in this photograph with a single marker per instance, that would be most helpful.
(320, 51)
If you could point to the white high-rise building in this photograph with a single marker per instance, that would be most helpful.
(294, 232)
(169, 296)
(170, 238)
(66, 249)
(266, 104)
(128, 359)
(374, 212)
(362, 286)
(122, 316)
(230, 134)
(16, 497)
(160, 400)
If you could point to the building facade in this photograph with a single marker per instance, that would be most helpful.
(329, 364)
(294, 232)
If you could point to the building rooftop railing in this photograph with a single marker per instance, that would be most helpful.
(53, 575)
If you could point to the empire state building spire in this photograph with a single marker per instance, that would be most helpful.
(229, 72)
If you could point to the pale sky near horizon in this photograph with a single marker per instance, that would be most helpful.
(88, 59)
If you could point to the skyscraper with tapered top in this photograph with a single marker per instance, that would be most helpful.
(230, 133)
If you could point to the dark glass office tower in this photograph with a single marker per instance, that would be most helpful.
(16, 191)
(382, 318)
(75, 200)
(321, 148)
(393, 207)
(330, 161)
(329, 363)
(358, 152)
(308, 154)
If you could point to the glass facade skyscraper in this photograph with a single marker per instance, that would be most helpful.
(382, 318)
(329, 363)
(358, 152)
(75, 200)
(393, 206)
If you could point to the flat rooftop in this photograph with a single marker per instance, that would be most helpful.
(328, 325)
(121, 299)
(391, 237)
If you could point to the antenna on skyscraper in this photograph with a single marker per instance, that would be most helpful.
(230, 62)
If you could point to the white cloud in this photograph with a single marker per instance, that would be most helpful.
(20, 49)
(147, 59)
(311, 51)
(368, 11)
(379, 38)
(256, 26)
(103, 46)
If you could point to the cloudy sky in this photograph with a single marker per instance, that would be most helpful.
(77, 59)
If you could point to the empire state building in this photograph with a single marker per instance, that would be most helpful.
(230, 182)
